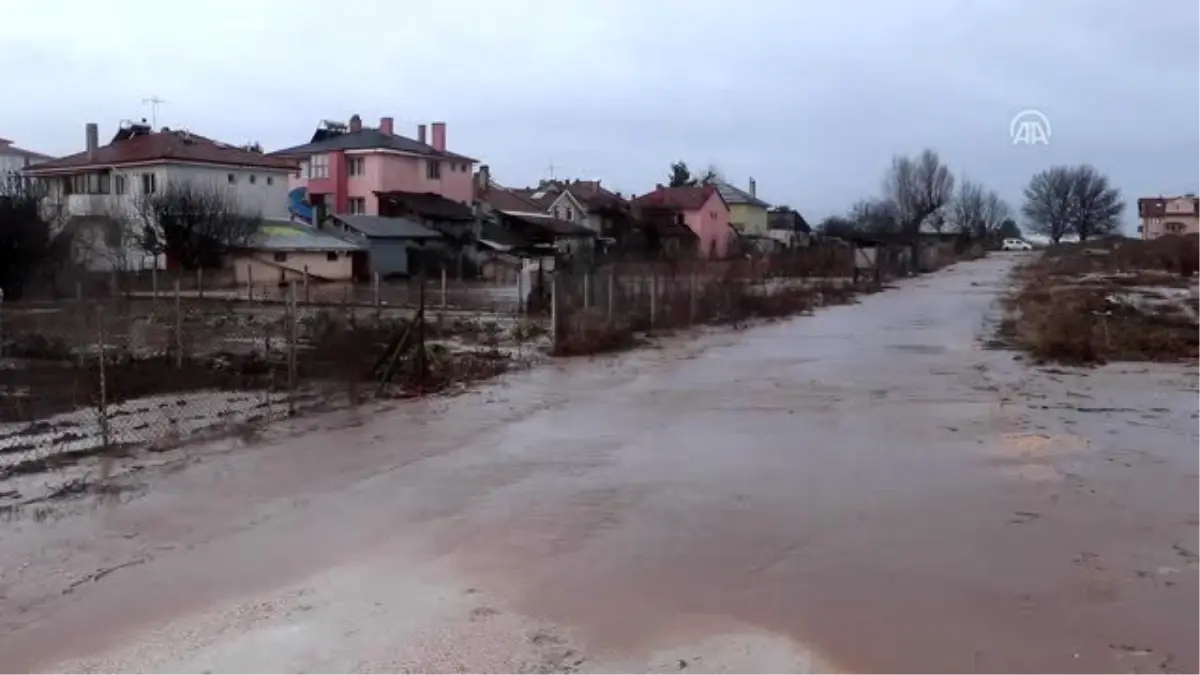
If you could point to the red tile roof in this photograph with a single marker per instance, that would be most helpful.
(165, 146)
(677, 198)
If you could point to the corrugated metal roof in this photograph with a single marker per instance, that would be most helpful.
(283, 235)
(392, 228)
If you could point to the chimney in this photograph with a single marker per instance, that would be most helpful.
(658, 186)
(92, 134)
(385, 125)
(439, 136)
(421, 133)
(485, 177)
(355, 123)
(753, 189)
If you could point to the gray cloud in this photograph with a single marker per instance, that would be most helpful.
(812, 99)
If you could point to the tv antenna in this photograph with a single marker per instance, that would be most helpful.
(153, 102)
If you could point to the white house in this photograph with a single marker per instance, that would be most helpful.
(97, 191)
(14, 160)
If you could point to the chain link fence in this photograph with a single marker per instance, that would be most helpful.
(122, 374)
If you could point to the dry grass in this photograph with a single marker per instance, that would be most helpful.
(1116, 300)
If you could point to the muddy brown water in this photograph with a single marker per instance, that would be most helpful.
(868, 482)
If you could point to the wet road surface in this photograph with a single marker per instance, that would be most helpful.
(867, 488)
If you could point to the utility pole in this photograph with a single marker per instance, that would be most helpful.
(153, 102)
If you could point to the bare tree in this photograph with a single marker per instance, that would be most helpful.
(877, 216)
(1096, 207)
(837, 226)
(967, 207)
(1050, 202)
(919, 187)
(193, 223)
(996, 212)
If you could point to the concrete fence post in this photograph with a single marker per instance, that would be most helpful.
(587, 290)
(375, 295)
(102, 403)
(653, 297)
(292, 338)
(612, 291)
(554, 334)
(178, 327)
(199, 283)
(445, 296)
(249, 282)
(692, 298)
(154, 284)
(307, 300)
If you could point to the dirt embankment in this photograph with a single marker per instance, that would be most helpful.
(1110, 300)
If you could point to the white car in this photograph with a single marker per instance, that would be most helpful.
(1016, 245)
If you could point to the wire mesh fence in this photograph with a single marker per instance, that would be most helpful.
(126, 373)
(604, 309)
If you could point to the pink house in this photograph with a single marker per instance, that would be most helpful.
(702, 208)
(345, 165)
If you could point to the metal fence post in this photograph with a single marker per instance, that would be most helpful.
(293, 338)
(305, 281)
(154, 284)
(199, 283)
(445, 298)
(554, 309)
(102, 403)
(178, 328)
(587, 290)
(249, 282)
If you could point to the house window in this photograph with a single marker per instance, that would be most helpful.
(270, 180)
(118, 183)
(149, 183)
(1175, 228)
(356, 166)
(253, 178)
(318, 166)
(280, 257)
(357, 205)
(332, 256)
(433, 169)
(231, 178)
(570, 213)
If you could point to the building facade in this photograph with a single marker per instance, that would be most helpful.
(1168, 215)
(344, 166)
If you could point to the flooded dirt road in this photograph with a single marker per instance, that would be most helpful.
(863, 489)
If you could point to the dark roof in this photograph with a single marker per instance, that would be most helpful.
(735, 195)
(589, 193)
(381, 227)
(788, 219)
(429, 205)
(677, 198)
(492, 232)
(666, 223)
(325, 140)
(501, 198)
(539, 229)
(166, 146)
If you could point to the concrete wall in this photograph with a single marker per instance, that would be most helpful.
(262, 267)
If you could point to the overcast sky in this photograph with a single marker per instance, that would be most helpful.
(810, 98)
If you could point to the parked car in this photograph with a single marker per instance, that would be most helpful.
(1016, 245)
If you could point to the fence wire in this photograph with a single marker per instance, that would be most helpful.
(126, 372)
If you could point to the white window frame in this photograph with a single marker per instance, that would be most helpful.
(318, 166)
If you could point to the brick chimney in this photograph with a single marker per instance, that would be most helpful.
(753, 188)
(386, 124)
(421, 133)
(91, 132)
(439, 136)
(355, 123)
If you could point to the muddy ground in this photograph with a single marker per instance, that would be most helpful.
(868, 488)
